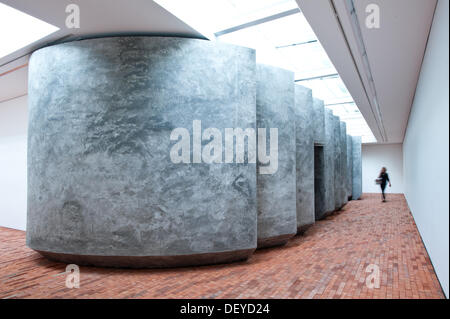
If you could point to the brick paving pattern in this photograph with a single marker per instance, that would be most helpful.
(329, 261)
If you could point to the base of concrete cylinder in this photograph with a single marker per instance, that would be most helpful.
(325, 215)
(150, 261)
(302, 229)
(274, 241)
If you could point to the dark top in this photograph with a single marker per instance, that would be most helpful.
(384, 177)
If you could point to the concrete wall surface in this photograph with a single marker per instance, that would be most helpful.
(277, 216)
(103, 187)
(305, 157)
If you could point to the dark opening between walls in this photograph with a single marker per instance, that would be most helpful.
(319, 181)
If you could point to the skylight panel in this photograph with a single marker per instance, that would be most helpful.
(246, 11)
(329, 89)
(282, 37)
(287, 31)
(355, 123)
(345, 110)
(211, 16)
(297, 51)
(308, 60)
(251, 38)
(18, 29)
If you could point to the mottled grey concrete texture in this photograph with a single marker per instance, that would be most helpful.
(277, 217)
(357, 167)
(100, 178)
(337, 164)
(304, 121)
(344, 162)
(319, 121)
(329, 169)
(349, 166)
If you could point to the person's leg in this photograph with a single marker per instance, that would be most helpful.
(383, 186)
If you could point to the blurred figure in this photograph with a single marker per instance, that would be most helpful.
(382, 179)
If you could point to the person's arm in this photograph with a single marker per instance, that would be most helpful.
(387, 177)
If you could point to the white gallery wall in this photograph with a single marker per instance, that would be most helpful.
(375, 156)
(426, 148)
(13, 163)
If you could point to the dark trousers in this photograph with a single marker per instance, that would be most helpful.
(383, 187)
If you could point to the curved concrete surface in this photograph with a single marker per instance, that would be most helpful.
(344, 162)
(329, 169)
(349, 167)
(304, 126)
(277, 217)
(102, 186)
(356, 168)
(319, 121)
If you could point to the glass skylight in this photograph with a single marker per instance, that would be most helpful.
(356, 124)
(18, 29)
(331, 89)
(282, 37)
(211, 16)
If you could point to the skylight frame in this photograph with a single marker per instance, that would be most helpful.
(248, 30)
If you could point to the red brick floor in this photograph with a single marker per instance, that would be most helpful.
(329, 261)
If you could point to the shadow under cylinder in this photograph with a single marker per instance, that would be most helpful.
(115, 176)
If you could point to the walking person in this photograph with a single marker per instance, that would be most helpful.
(383, 179)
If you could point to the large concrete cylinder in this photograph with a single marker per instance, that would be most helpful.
(304, 125)
(329, 166)
(344, 162)
(277, 217)
(338, 185)
(349, 167)
(118, 166)
(319, 121)
(357, 167)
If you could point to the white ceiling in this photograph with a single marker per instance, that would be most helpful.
(394, 51)
(102, 17)
(97, 17)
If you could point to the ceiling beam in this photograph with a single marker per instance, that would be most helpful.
(323, 19)
(258, 22)
(318, 77)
